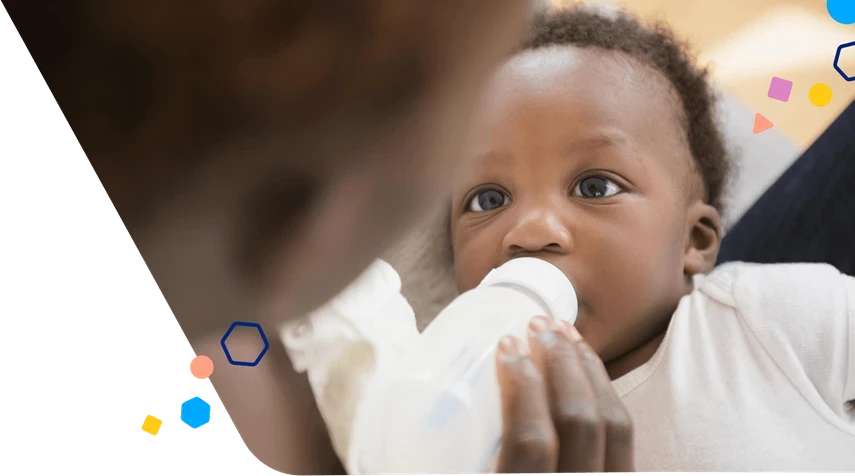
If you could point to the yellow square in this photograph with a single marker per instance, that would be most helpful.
(151, 425)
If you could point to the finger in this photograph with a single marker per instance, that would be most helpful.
(529, 443)
(573, 402)
(619, 454)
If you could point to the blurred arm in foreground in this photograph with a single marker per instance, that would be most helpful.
(261, 153)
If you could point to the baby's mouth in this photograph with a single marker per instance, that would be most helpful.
(555, 260)
(581, 306)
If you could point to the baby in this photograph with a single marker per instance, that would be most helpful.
(602, 156)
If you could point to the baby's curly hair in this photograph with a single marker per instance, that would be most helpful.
(656, 46)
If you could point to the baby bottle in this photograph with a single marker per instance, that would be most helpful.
(436, 408)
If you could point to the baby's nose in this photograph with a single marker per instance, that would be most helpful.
(535, 232)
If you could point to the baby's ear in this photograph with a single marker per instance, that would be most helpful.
(703, 238)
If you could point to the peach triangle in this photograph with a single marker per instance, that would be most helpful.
(762, 124)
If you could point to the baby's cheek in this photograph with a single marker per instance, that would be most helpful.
(474, 257)
(630, 278)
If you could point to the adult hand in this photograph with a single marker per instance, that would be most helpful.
(559, 410)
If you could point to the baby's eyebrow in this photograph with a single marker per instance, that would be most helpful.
(604, 140)
(493, 157)
(598, 141)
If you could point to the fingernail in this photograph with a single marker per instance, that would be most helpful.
(572, 332)
(539, 324)
(509, 347)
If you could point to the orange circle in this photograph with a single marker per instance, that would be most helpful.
(201, 366)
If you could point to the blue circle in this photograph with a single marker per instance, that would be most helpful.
(842, 11)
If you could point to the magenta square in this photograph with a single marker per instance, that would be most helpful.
(780, 89)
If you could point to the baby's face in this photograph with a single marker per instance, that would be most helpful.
(584, 163)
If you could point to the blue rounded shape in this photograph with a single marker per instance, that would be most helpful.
(195, 412)
(847, 76)
(842, 11)
(242, 363)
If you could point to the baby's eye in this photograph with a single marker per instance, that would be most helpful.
(488, 200)
(596, 187)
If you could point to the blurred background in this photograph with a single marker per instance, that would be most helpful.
(746, 43)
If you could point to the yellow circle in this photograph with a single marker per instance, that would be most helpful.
(820, 94)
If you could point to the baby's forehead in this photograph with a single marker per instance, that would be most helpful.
(587, 81)
(579, 93)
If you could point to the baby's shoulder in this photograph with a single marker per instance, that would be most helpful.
(803, 306)
(802, 315)
(799, 305)
(780, 287)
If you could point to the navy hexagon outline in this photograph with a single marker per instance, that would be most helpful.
(837, 60)
(241, 362)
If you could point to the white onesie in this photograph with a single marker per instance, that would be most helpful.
(756, 373)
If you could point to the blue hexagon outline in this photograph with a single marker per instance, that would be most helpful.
(241, 362)
(196, 404)
(837, 60)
